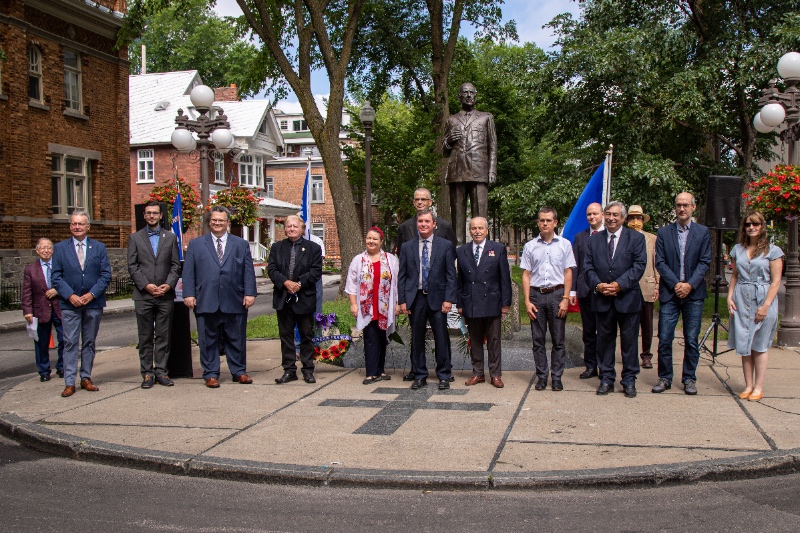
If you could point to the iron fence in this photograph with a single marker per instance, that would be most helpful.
(11, 292)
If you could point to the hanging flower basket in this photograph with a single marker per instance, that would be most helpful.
(190, 199)
(242, 202)
(777, 193)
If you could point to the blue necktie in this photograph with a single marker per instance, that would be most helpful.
(425, 265)
(477, 254)
(47, 269)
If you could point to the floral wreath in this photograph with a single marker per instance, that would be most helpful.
(330, 346)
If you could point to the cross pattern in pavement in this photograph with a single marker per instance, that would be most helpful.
(394, 413)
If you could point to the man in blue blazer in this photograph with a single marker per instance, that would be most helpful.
(683, 257)
(484, 298)
(219, 283)
(81, 273)
(614, 263)
(427, 290)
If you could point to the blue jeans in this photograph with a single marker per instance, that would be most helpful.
(692, 313)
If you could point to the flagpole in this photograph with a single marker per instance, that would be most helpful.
(308, 199)
(607, 175)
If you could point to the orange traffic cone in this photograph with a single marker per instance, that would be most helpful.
(52, 343)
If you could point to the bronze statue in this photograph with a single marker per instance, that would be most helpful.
(470, 144)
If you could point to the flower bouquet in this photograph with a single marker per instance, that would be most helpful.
(330, 345)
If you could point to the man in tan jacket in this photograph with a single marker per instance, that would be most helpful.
(649, 282)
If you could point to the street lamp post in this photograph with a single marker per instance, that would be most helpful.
(778, 107)
(367, 116)
(210, 130)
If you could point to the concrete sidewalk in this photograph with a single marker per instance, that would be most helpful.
(340, 432)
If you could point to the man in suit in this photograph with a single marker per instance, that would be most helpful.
(614, 264)
(636, 220)
(154, 267)
(547, 264)
(484, 298)
(81, 273)
(295, 266)
(407, 231)
(683, 257)
(583, 293)
(427, 289)
(470, 145)
(219, 283)
(39, 299)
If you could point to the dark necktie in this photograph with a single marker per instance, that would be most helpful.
(477, 254)
(594, 231)
(219, 251)
(292, 259)
(611, 248)
(47, 269)
(425, 265)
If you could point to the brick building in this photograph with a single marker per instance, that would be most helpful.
(64, 137)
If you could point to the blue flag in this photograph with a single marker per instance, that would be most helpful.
(177, 223)
(592, 193)
(305, 208)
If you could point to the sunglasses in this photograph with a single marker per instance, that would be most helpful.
(752, 224)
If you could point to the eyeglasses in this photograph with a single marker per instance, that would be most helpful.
(78, 224)
(683, 206)
(422, 199)
(636, 217)
(752, 224)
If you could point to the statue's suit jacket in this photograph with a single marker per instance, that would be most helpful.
(473, 157)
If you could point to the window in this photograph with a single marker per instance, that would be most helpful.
(146, 166)
(219, 167)
(34, 74)
(317, 190)
(284, 125)
(69, 183)
(263, 128)
(318, 230)
(72, 81)
(300, 125)
(251, 171)
(269, 187)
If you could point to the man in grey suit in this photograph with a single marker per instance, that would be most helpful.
(219, 283)
(484, 298)
(154, 267)
(426, 290)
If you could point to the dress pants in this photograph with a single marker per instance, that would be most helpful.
(589, 323)
(421, 315)
(485, 328)
(646, 319)
(628, 323)
(232, 327)
(42, 346)
(81, 325)
(287, 320)
(375, 343)
(547, 318)
(154, 319)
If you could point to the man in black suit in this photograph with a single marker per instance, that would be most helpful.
(407, 231)
(154, 267)
(484, 298)
(427, 290)
(294, 266)
(583, 293)
(614, 263)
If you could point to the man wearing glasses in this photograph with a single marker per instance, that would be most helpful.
(407, 231)
(683, 256)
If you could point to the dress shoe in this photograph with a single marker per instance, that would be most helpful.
(147, 382)
(60, 373)
(286, 378)
(755, 396)
(212, 383)
(497, 382)
(409, 377)
(541, 384)
(557, 385)
(309, 378)
(86, 384)
(451, 379)
(164, 380)
(589, 373)
(661, 386)
(68, 391)
(690, 387)
(647, 361)
(605, 388)
(418, 384)
(746, 394)
(630, 391)
(44, 377)
(444, 384)
(474, 380)
(244, 379)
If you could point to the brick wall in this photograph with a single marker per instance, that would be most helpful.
(226, 94)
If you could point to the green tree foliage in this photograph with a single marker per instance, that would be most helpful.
(190, 36)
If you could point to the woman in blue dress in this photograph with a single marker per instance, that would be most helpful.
(751, 301)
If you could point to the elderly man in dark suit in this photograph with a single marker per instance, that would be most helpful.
(154, 267)
(39, 299)
(683, 257)
(427, 290)
(407, 231)
(484, 298)
(81, 274)
(219, 283)
(614, 263)
(295, 266)
(583, 293)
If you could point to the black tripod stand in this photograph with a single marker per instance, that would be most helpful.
(716, 321)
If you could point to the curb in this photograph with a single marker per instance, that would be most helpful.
(45, 439)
